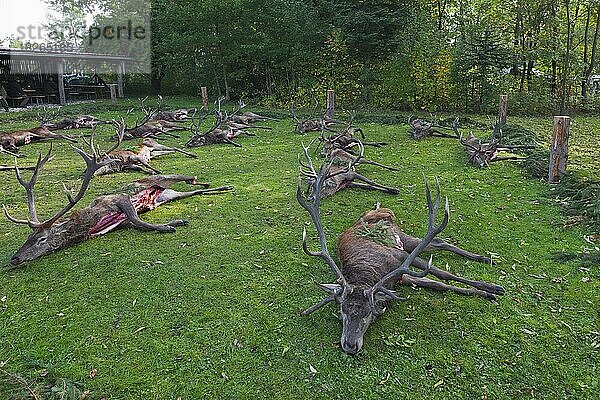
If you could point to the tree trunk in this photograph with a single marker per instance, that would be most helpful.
(589, 66)
(566, 60)
(155, 85)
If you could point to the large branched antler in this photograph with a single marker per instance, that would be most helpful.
(311, 201)
(93, 163)
(48, 116)
(404, 268)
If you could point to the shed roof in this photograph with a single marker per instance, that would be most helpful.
(37, 54)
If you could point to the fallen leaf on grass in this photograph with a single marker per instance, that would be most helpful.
(138, 330)
(438, 384)
(92, 373)
(527, 331)
(384, 380)
(312, 371)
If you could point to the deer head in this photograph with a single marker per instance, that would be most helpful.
(49, 236)
(360, 302)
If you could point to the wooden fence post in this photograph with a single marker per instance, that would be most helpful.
(330, 103)
(503, 113)
(113, 92)
(60, 71)
(204, 91)
(120, 72)
(559, 150)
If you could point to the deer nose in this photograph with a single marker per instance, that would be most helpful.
(15, 260)
(350, 347)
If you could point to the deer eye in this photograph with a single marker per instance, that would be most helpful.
(41, 241)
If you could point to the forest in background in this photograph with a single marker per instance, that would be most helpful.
(429, 55)
(388, 54)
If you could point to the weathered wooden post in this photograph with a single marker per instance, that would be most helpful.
(120, 73)
(559, 150)
(60, 72)
(503, 113)
(330, 103)
(113, 92)
(204, 91)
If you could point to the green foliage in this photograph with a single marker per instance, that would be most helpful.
(580, 195)
(516, 135)
(378, 233)
(536, 164)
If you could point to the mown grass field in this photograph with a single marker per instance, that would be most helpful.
(212, 310)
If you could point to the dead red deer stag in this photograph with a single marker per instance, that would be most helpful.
(248, 118)
(84, 121)
(182, 114)
(147, 127)
(482, 154)
(420, 129)
(11, 141)
(129, 160)
(341, 167)
(311, 124)
(345, 139)
(104, 214)
(375, 255)
(220, 133)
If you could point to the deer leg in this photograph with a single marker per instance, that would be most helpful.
(129, 210)
(145, 164)
(448, 276)
(439, 244)
(158, 153)
(375, 144)
(231, 142)
(507, 158)
(437, 285)
(437, 133)
(132, 167)
(369, 162)
(171, 195)
(517, 147)
(167, 133)
(374, 185)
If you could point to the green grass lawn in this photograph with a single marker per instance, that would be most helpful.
(212, 310)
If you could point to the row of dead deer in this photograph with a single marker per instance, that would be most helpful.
(104, 213)
(375, 254)
(480, 153)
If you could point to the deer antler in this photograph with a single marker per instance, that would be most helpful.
(46, 117)
(311, 202)
(33, 220)
(93, 163)
(432, 232)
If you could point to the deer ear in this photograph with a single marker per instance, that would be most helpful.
(330, 287)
